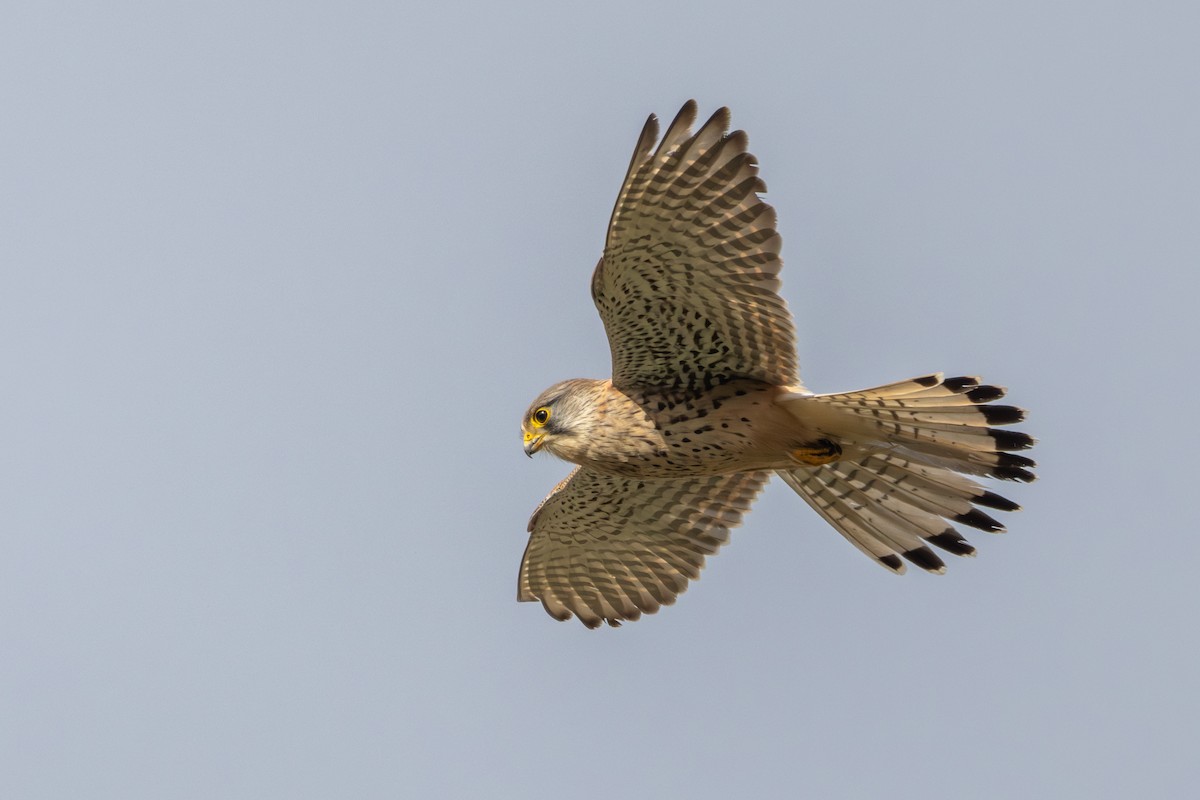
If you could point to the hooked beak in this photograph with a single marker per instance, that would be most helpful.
(533, 443)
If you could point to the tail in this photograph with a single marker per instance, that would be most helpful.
(907, 449)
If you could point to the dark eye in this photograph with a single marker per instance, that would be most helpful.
(541, 416)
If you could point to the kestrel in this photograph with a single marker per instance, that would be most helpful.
(705, 403)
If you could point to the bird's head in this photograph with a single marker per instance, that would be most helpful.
(559, 419)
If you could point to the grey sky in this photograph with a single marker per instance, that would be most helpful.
(279, 279)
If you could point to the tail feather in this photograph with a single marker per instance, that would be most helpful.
(936, 492)
(881, 531)
(909, 447)
(967, 421)
(929, 390)
(946, 419)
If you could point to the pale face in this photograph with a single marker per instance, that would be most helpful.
(560, 419)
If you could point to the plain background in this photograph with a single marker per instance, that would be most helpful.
(279, 279)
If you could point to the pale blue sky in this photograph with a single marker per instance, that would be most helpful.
(279, 279)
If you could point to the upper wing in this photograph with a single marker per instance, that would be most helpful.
(607, 549)
(687, 285)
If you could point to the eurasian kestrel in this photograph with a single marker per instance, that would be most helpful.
(705, 402)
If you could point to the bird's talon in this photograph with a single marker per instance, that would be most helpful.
(822, 451)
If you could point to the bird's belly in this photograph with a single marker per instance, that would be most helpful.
(669, 467)
(691, 453)
(736, 427)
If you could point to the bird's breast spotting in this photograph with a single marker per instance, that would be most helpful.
(650, 434)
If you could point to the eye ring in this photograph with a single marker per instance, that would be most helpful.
(541, 416)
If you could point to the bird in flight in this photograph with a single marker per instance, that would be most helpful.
(705, 404)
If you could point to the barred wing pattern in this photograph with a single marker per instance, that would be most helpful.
(687, 287)
(606, 548)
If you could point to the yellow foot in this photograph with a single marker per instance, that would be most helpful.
(822, 451)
